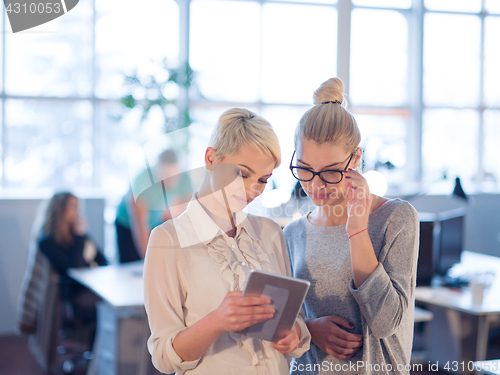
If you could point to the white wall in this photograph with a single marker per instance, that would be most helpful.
(16, 219)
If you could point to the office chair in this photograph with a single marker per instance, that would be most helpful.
(75, 328)
(47, 318)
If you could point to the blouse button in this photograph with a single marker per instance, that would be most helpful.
(243, 264)
(260, 357)
(233, 246)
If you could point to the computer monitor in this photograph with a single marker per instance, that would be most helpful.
(450, 240)
(426, 250)
(440, 244)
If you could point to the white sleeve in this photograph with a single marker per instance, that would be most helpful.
(163, 299)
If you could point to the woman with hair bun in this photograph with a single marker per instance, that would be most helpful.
(196, 264)
(358, 250)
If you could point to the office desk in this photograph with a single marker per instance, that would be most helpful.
(459, 329)
(421, 315)
(122, 327)
(119, 285)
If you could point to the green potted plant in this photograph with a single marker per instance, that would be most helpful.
(171, 87)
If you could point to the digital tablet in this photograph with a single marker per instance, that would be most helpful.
(287, 295)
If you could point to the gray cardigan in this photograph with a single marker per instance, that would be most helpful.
(381, 309)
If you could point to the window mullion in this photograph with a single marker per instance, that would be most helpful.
(3, 181)
(480, 136)
(184, 43)
(415, 73)
(344, 11)
(96, 154)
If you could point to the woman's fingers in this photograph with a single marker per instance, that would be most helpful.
(250, 306)
(292, 336)
(239, 322)
(340, 353)
(347, 336)
(286, 342)
(237, 313)
(359, 201)
(289, 343)
(234, 299)
(341, 338)
(357, 190)
(328, 335)
(346, 344)
(251, 311)
(249, 320)
(340, 321)
(286, 348)
(351, 173)
(252, 301)
(355, 179)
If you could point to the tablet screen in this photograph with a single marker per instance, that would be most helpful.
(286, 294)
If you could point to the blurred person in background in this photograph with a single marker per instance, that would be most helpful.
(64, 242)
(144, 206)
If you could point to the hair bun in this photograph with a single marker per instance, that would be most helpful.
(331, 90)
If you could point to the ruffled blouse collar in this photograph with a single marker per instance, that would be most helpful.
(206, 229)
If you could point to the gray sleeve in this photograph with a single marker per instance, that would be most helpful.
(388, 293)
(286, 234)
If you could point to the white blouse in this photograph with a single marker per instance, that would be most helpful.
(190, 265)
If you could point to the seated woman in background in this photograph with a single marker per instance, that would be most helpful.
(196, 264)
(64, 242)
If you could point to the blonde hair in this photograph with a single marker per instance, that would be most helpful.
(238, 126)
(329, 120)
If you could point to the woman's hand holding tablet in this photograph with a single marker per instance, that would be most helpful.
(237, 312)
(289, 343)
(286, 295)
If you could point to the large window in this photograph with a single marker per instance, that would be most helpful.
(268, 57)
(62, 80)
(460, 91)
(421, 78)
(378, 88)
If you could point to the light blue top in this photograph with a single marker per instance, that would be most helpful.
(152, 195)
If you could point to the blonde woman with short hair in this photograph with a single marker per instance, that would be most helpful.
(359, 251)
(196, 264)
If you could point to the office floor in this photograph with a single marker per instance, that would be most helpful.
(16, 359)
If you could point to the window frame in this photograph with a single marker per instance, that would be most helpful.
(413, 111)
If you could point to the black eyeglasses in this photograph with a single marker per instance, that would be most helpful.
(330, 176)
